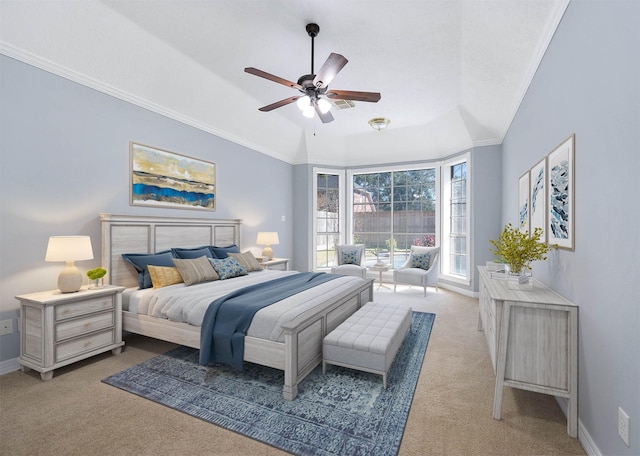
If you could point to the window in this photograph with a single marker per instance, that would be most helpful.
(329, 216)
(455, 221)
(390, 209)
(393, 210)
(458, 223)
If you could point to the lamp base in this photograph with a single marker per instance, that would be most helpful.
(70, 279)
(267, 253)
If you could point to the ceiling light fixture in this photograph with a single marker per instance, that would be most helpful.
(306, 105)
(379, 123)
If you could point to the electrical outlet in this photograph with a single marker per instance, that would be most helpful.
(6, 327)
(623, 426)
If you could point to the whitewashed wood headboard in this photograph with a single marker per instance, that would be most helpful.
(143, 234)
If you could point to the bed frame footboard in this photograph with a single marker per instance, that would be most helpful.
(303, 340)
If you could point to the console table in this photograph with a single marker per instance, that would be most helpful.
(533, 341)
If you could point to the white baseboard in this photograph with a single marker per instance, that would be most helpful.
(459, 290)
(584, 437)
(9, 365)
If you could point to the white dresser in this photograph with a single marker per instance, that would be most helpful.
(533, 341)
(61, 328)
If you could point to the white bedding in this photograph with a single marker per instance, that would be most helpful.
(188, 304)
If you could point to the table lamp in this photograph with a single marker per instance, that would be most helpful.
(267, 238)
(69, 249)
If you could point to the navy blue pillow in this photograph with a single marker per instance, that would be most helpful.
(190, 254)
(141, 261)
(221, 252)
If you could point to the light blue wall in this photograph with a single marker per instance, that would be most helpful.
(486, 205)
(65, 159)
(303, 210)
(588, 84)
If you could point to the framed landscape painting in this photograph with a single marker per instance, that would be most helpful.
(538, 199)
(523, 202)
(165, 179)
(560, 195)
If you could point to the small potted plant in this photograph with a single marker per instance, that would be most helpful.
(517, 250)
(96, 275)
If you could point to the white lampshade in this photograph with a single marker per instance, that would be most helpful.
(69, 249)
(303, 102)
(324, 106)
(267, 238)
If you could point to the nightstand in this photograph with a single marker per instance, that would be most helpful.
(280, 264)
(61, 328)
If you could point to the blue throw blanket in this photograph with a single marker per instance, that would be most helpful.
(227, 319)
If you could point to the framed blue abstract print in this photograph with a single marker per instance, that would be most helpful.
(166, 179)
(560, 195)
(538, 199)
(523, 203)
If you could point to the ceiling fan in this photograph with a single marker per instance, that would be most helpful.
(315, 87)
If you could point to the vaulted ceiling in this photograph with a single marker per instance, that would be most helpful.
(451, 73)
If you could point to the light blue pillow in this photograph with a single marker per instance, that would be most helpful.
(141, 262)
(420, 260)
(350, 257)
(227, 268)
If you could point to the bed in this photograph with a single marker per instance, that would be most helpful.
(296, 350)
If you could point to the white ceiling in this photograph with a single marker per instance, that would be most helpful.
(451, 73)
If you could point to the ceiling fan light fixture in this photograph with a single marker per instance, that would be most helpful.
(324, 106)
(379, 123)
(309, 112)
(304, 103)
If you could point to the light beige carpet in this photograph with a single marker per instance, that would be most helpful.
(451, 414)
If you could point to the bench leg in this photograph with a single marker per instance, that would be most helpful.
(324, 368)
(384, 381)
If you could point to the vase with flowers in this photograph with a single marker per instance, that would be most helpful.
(517, 250)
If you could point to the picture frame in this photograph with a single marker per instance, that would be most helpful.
(161, 178)
(561, 195)
(538, 198)
(523, 202)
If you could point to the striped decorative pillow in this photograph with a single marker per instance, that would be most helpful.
(196, 270)
(247, 261)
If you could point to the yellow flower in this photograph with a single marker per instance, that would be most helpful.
(518, 249)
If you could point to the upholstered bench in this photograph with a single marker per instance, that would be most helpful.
(369, 339)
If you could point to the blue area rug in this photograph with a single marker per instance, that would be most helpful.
(345, 412)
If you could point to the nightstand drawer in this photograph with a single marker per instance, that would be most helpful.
(74, 309)
(85, 344)
(80, 326)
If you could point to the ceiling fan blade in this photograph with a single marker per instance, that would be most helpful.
(326, 117)
(372, 97)
(329, 69)
(271, 77)
(278, 104)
